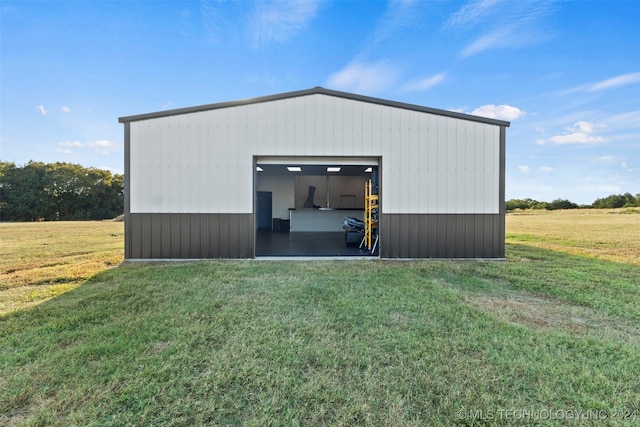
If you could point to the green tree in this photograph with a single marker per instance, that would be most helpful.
(5, 168)
(23, 193)
(562, 204)
(521, 204)
(58, 191)
(615, 201)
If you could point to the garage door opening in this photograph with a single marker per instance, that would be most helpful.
(314, 207)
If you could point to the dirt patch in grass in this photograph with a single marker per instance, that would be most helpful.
(546, 313)
(159, 347)
(531, 311)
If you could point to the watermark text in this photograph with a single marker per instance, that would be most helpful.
(546, 414)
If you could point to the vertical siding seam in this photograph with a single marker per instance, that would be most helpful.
(127, 190)
(501, 197)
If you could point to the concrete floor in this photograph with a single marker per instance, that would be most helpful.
(312, 244)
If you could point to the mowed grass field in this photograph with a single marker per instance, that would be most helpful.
(551, 336)
(40, 260)
(610, 234)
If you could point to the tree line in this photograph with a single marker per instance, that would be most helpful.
(613, 201)
(59, 191)
(65, 191)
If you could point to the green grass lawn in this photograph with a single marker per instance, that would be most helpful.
(544, 335)
(41, 260)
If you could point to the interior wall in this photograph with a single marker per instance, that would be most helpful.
(290, 192)
(347, 186)
(337, 186)
(282, 188)
(302, 184)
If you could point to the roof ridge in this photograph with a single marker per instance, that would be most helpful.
(312, 91)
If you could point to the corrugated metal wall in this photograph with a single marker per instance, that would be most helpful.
(442, 236)
(202, 162)
(189, 236)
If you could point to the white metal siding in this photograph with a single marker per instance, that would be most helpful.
(202, 162)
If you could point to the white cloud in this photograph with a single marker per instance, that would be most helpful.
(627, 167)
(471, 13)
(280, 20)
(514, 24)
(580, 133)
(499, 112)
(527, 169)
(623, 80)
(609, 160)
(42, 109)
(584, 127)
(65, 109)
(606, 159)
(103, 143)
(610, 83)
(600, 189)
(629, 120)
(424, 84)
(214, 19)
(500, 37)
(400, 14)
(70, 144)
(112, 170)
(102, 147)
(364, 78)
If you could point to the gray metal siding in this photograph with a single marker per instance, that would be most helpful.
(189, 174)
(441, 236)
(190, 236)
(312, 91)
(204, 162)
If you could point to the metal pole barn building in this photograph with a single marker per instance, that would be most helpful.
(277, 176)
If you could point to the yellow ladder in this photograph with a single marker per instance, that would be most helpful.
(370, 239)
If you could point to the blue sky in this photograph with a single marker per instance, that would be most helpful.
(565, 73)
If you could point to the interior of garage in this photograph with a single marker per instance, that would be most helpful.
(311, 209)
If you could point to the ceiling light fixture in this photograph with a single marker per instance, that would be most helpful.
(294, 168)
(333, 169)
(259, 169)
(369, 169)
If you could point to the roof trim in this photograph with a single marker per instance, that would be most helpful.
(312, 91)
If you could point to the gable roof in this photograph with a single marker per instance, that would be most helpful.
(313, 91)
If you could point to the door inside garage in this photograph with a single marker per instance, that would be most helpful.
(317, 206)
